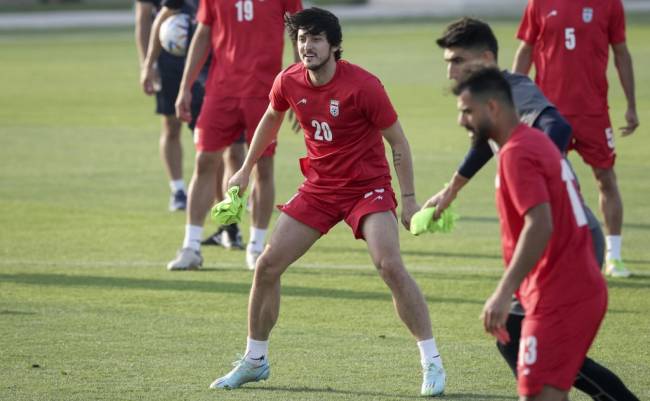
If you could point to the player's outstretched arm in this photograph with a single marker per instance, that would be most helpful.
(196, 57)
(403, 163)
(523, 58)
(623, 62)
(265, 133)
(537, 230)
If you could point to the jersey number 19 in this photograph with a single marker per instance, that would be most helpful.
(244, 10)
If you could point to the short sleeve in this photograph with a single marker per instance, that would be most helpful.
(529, 26)
(524, 178)
(276, 97)
(616, 28)
(204, 14)
(293, 6)
(375, 104)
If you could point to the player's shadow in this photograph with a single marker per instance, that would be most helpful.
(375, 394)
(242, 288)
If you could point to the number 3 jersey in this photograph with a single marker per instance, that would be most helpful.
(247, 38)
(571, 45)
(341, 121)
(531, 171)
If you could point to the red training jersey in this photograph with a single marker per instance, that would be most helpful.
(341, 121)
(571, 47)
(247, 38)
(532, 171)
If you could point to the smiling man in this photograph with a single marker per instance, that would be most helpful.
(345, 114)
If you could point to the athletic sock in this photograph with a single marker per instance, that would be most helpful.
(429, 353)
(257, 236)
(177, 185)
(192, 238)
(613, 246)
(256, 351)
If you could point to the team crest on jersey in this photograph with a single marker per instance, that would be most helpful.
(587, 14)
(334, 108)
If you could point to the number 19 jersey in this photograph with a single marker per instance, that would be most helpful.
(341, 121)
(247, 38)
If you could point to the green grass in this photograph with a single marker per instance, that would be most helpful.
(85, 236)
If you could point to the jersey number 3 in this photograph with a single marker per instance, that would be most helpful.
(244, 10)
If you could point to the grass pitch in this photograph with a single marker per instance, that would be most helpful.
(88, 312)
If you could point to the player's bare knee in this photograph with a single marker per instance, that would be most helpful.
(606, 179)
(267, 271)
(206, 163)
(391, 270)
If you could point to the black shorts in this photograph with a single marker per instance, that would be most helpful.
(171, 73)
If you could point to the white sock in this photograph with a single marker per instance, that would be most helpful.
(613, 246)
(192, 238)
(429, 353)
(177, 185)
(257, 238)
(256, 351)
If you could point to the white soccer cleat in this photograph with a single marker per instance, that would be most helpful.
(616, 268)
(243, 372)
(251, 257)
(186, 259)
(433, 381)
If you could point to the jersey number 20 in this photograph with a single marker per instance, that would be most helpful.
(323, 131)
(244, 10)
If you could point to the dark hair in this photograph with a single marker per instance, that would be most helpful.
(315, 21)
(469, 33)
(485, 83)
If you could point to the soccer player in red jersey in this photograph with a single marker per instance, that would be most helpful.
(247, 38)
(568, 42)
(546, 243)
(345, 114)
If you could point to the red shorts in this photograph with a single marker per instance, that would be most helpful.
(553, 345)
(222, 121)
(324, 211)
(593, 139)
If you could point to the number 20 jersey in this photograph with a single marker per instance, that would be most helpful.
(531, 172)
(247, 38)
(571, 41)
(341, 121)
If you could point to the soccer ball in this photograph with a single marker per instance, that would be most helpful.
(174, 34)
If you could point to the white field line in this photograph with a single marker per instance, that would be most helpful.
(162, 264)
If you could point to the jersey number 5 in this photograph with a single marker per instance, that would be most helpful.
(244, 10)
(570, 38)
(323, 131)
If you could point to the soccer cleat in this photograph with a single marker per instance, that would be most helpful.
(251, 257)
(186, 259)
(231, 237)
(243, 372)
(433, 381)
(214, 239)
(178, 201)
(616, 268)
